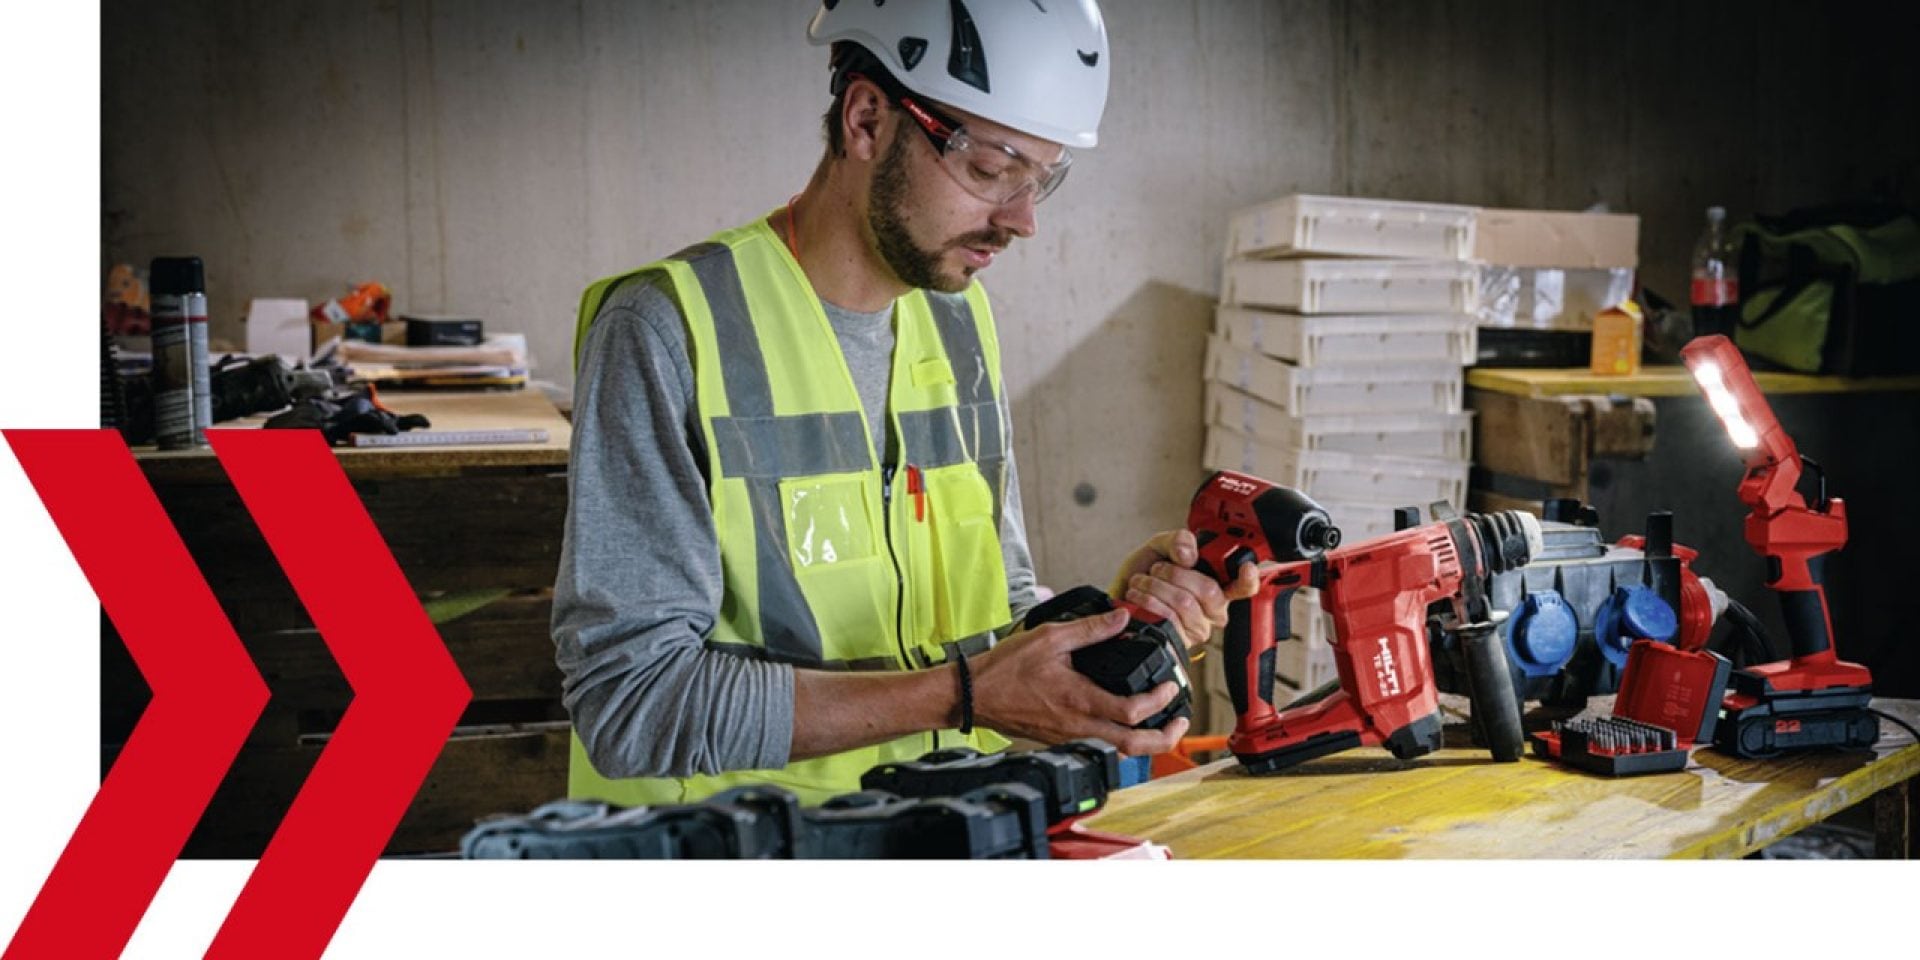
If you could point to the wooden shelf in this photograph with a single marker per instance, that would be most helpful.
(1663, 382)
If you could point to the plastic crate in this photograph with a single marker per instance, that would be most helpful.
(1352, 226)
(1429, 436)
(1313, 391)
(1338, 476)
(1307, 621)
(1363, 521)
(1312, 341)
(1304, 661)
(1299, 666)
(1352, 286)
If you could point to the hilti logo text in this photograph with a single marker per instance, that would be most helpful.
(1383, 669)
(1241, 487)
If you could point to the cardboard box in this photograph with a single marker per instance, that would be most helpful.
(1553, 238)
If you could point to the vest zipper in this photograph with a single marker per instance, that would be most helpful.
(899, 579)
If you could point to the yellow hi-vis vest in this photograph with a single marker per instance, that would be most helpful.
(828, 560)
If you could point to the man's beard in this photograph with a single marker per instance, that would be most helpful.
(887, 207)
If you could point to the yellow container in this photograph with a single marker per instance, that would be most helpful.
(1616, 341)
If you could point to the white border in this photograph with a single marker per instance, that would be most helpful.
(49, 251)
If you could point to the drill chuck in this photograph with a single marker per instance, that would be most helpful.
(1317, 534)
(1508, 538)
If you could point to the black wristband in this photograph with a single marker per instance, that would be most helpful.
(966, 692)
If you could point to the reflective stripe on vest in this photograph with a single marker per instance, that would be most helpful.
(765, 448)
(823, 571)
(979, 410)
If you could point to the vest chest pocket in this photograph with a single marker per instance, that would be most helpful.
(829, 521)
(834, 544)
(970, 578)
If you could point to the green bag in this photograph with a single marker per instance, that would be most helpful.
(1832, 291)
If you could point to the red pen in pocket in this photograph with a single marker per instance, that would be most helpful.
(917, 488)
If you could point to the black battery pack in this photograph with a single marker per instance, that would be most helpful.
(1136, 660)
(1074, 778)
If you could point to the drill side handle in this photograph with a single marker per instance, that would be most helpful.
(1254, 626)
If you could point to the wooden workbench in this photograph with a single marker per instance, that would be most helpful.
(1459, 804)
(476, 530)
(474, 410)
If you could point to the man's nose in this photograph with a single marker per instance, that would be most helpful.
(1016, 215)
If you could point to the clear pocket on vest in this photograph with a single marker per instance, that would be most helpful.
(834, 544)
(970, 578)
(829, 520)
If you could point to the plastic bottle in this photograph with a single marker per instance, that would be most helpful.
(1716, 281)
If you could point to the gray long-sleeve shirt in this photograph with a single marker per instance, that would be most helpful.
(639, 585)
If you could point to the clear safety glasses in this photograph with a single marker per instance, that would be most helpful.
(988, 169)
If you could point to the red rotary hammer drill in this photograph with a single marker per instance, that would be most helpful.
(1379, 593)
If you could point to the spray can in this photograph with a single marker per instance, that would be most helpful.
(177, 387)
(197, 344)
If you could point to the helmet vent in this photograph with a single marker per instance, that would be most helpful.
(1090, 58)
(911, 50)
(967, 62)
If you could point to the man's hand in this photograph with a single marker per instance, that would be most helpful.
(1026, 686)
(1159, 578)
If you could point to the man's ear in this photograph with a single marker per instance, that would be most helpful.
(863, 117)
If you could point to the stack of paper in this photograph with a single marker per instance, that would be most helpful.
(498, 362)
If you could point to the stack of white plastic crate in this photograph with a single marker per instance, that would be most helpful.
(1335, 367)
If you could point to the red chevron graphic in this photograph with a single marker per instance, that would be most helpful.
(408, 693)
(206, 694)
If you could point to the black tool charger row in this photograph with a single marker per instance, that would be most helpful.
(951, 804)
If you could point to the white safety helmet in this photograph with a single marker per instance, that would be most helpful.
(1037, 66)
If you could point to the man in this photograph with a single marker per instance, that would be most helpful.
(795, 532)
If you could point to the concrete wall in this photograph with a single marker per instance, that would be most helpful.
(493, 157)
